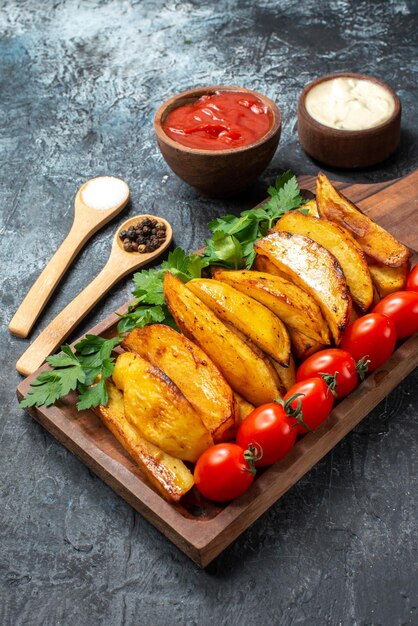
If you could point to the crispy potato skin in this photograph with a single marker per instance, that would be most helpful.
(244, 370)
(158, 409)
(287, 375)
(337, 241)
(314, 269)
(256, 321)
(311, 208)
(303, 346)
(388, 279)
(191, 370)
(168, 475)
(296, 308)
(245, 408)
(376, 242)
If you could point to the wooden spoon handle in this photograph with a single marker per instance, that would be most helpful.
(42, 289)
(60, 327)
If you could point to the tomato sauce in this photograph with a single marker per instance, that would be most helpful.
(219, 121)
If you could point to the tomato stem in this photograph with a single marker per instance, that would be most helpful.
(362, 367)
(331, 381)
(295, 412)
(253, 454)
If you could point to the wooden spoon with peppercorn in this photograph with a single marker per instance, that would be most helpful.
(138, 241)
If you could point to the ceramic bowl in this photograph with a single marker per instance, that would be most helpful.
(348, 148)
(217, 173)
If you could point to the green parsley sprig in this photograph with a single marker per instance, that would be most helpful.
(232, 243)
(76, 371)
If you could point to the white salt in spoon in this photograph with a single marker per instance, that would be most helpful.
(96, 202)
(119, 264)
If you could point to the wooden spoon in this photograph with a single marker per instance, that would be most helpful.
(119, 264)
(87, 221)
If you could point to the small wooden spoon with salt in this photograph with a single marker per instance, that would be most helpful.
(119, 264)
(96, 202)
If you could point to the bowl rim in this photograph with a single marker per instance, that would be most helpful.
(196, 93)
(339, 132)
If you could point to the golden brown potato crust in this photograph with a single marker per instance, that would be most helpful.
(191, 370)
(245, 371)
(158, 409)
(316, 270)
(255, 320)
(376, 242)
(167, 474)
(340, 243)
(294, 306)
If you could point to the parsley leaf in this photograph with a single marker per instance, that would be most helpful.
(75, 371)
(232, 244)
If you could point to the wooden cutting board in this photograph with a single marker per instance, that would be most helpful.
(202, 529)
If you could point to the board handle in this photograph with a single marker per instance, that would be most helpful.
(44, 286)
(58, 330)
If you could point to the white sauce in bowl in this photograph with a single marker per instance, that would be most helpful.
(348, 103)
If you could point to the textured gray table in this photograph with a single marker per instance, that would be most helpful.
(80, 82)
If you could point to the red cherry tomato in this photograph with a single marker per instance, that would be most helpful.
(270, 428)
(336, 367)
(316, 401)
(222, 473)
(372, 336)
(402, 308)
(412, 282)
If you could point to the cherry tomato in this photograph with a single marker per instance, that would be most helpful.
(222, 473)
(412, 282)
(315, 401)
(372, 336)
(402, 308)
(270, 428)
(336, 367)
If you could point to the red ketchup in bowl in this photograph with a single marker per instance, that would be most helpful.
(219, 121)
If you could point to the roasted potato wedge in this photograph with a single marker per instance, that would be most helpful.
(376, 242)
(245, 371)
(158, 409)
(255, 320)
(303, 346)
(296, 308)
(287, 375)
(244, 408)
(388, 279)
(311, 207)
(263, 264)
(314, 269)
(167, 474)
(191, 370)
(337, 241)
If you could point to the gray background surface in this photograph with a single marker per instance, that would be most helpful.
(80, 82)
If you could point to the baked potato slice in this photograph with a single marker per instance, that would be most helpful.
(287, 375)
(158, 409)
(253, 319)
(313, 268)
(388, 279)
(296, 308)
(245, 371)
(303, 346)
(244, 408)
(311, 207)
(337, 241)
(191, 370)
(376, 242)
(168, 475)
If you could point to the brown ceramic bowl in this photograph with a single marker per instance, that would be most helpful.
(348, 148)
(217, 173)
